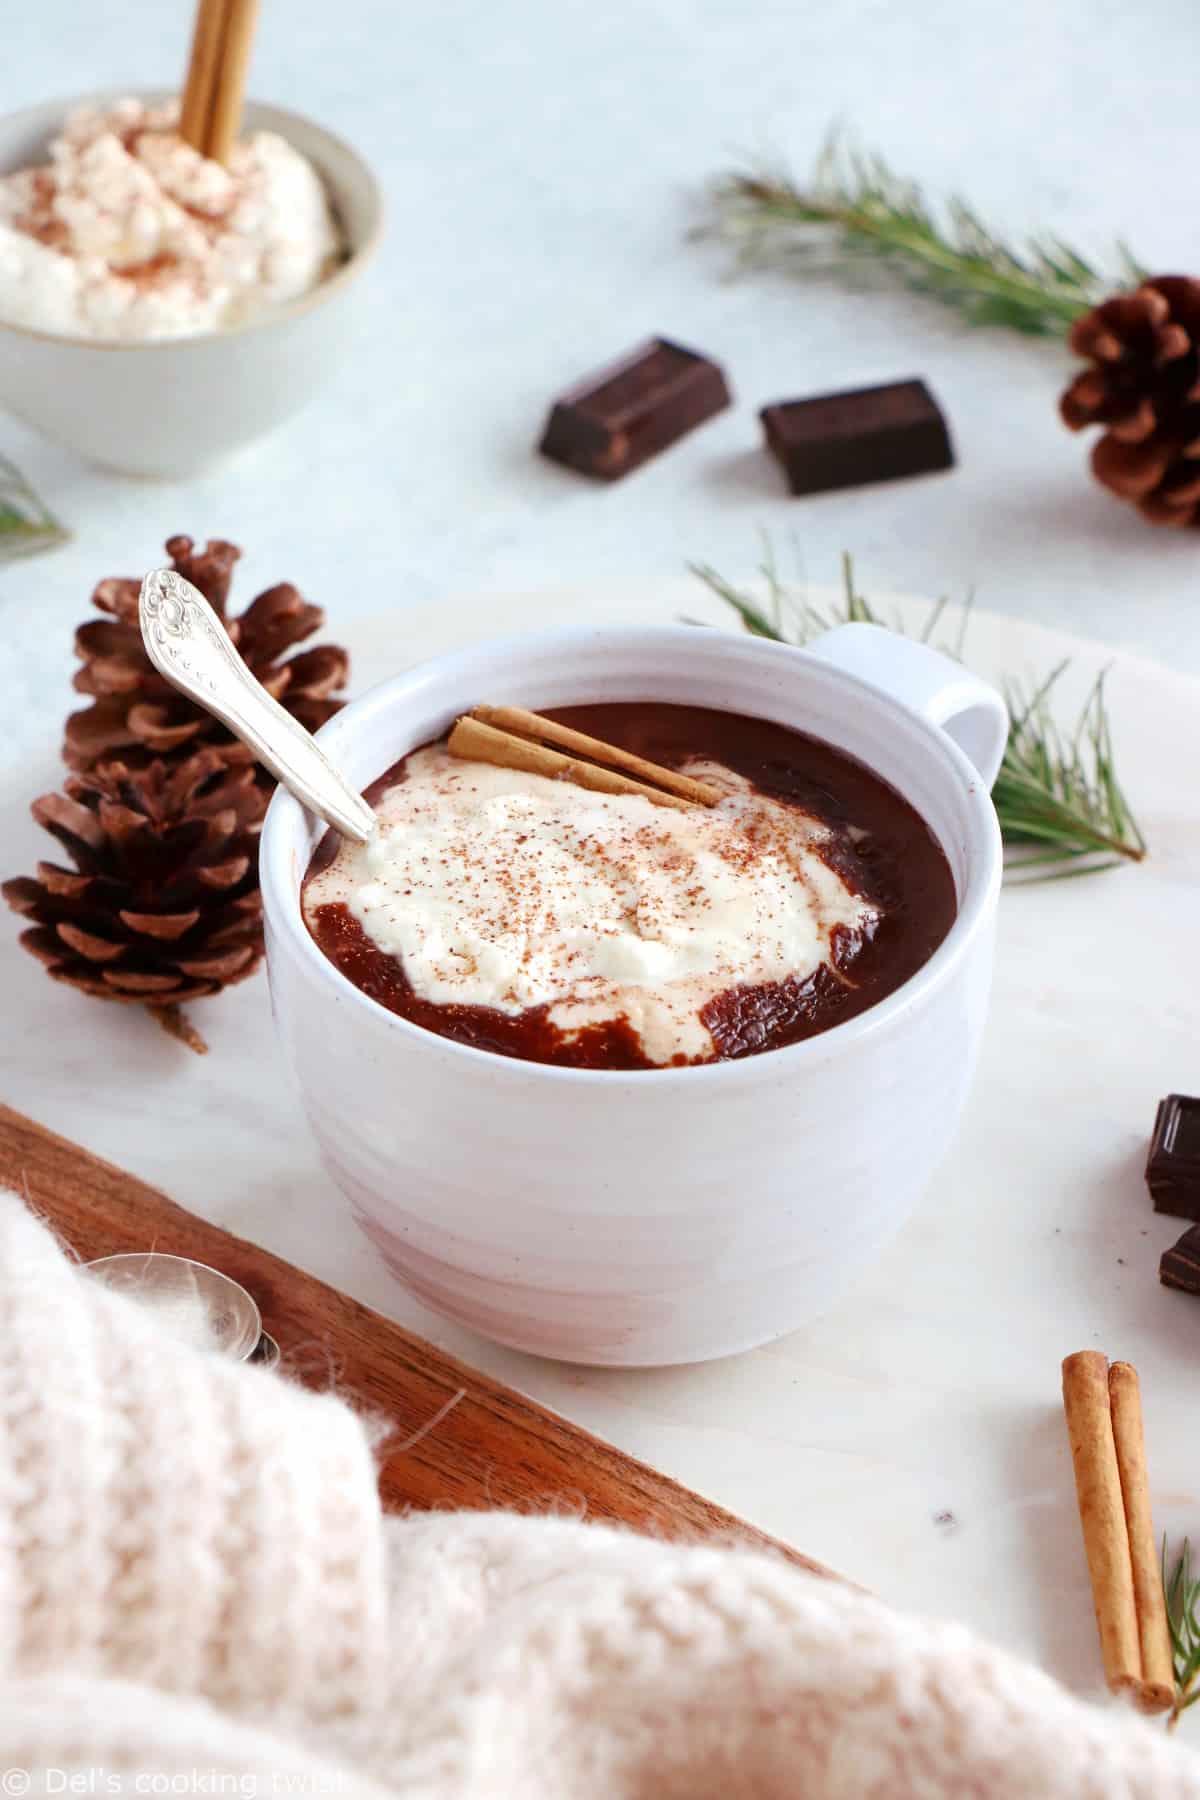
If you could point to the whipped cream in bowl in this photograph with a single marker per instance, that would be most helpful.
(159, 309)
(126, 232)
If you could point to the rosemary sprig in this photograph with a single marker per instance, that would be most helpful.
(1062, 810)
(856, 209)
(26, 524)
(1182, 1592)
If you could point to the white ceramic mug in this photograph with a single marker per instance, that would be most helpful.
(664, 1215)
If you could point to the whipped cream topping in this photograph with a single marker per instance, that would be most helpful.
(129, 233)
(502, 889)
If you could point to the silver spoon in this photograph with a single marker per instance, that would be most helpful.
(187, 643)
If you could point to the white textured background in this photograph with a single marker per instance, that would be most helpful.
(539, 161)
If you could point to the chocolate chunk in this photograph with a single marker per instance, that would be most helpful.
(1179, 1267)
(619, 418)
(1173, 1165)
(863, 435)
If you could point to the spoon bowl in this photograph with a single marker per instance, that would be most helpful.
(190, 648)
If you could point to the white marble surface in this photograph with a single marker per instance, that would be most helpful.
(539, 165)
(913, 1437)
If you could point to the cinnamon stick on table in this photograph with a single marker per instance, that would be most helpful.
(1157, 1691)
(1108, 1451)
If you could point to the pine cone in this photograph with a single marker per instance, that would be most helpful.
(162, 905)
(1144, 387)
(137, 715)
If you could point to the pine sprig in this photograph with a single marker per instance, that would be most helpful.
(1058, 799)
(1061, 808)
(26, 524)
(1182, 1592)
(857, 210)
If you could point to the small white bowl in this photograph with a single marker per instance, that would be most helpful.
(173, 407)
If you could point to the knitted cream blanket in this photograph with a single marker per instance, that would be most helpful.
(198, 1595)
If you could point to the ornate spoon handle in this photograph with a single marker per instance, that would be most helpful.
(187, 644)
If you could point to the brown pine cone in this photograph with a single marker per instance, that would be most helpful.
(162, 905)
(137, 715)
(1143, 386)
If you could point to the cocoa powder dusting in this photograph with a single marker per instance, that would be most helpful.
(880, 848)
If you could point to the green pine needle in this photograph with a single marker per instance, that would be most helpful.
(1182, 1592)
(856, 210)
(1062, 810)
(1059, 798)
(26, 524)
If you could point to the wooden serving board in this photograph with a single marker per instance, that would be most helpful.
(491, 1448)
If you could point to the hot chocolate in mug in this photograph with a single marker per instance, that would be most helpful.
(667, 1214)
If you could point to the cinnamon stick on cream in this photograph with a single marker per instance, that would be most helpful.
(200, 82)
(215, 83)
(511, 738)
(1108, 1452)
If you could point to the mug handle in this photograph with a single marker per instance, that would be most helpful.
(936, 687)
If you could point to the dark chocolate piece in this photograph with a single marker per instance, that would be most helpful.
(620, 417)
(863, 435)
(1179, 1267)
(1173, 1165)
